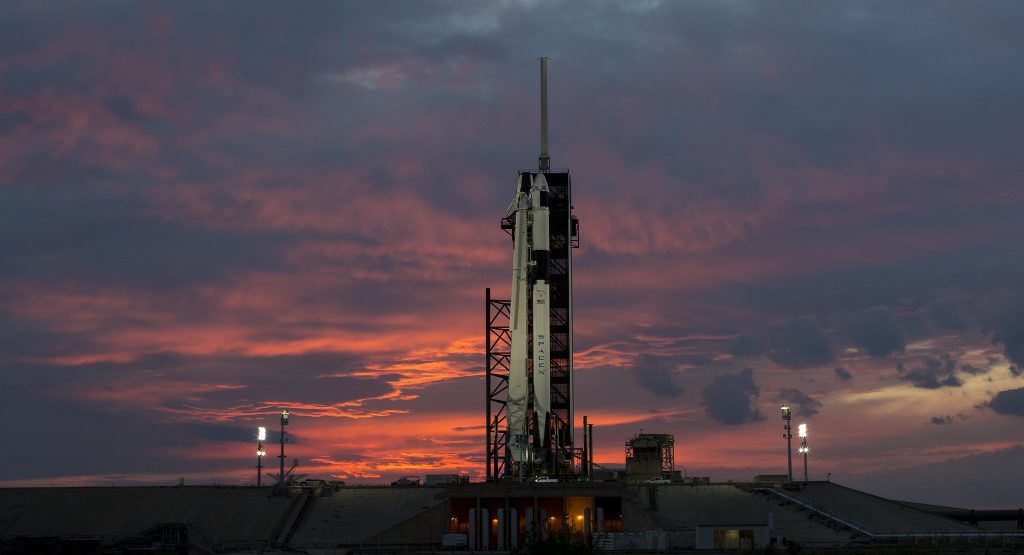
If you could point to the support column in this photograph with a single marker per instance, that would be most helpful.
(474, 522)
(502, 528)
(585, 464)
(590, 438)
(487, 381)
(513, 518)
(485, 529)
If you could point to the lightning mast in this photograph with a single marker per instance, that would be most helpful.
(530, 408)
(261, 436)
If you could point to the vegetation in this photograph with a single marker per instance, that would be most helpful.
(566, 542)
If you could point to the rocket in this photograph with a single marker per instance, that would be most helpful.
(530, 307)
(529, 282)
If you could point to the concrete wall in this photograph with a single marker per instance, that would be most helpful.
(366, 515)
(220, 515)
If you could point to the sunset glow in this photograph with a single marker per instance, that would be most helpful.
(211, 214)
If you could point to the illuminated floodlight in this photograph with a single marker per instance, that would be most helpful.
(785, 411)
(261, 436)
(801, 430)
(284, 416)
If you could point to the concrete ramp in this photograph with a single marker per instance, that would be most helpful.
(373, 515)
(678, 508)
(219, 515)
(871, 513)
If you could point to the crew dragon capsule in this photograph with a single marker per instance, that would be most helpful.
(529, 281)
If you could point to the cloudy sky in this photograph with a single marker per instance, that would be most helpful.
(210, 211)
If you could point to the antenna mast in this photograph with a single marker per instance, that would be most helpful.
(544, 163)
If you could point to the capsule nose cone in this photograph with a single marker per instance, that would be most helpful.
(540, 182)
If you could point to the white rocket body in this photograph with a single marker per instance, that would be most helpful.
(531, 239)
(541, 308)
(518, 385)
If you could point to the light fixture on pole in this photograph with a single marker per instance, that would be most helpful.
(802, 432)
(261, 436)
(284, 422)
(786, 417)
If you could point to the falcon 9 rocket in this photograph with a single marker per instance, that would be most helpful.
(544, 230)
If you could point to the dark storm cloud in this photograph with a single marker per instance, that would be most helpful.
(947, 315)
(976, 480)
(187, 379)
(935, 372)
(948, 419)
(875, 330)
(842, 374)
(1009, 402)
(104, 440)
(107, 412)
(655, 374)
(20, 338)
(1006, 325)
(891, 283)
(163, 255)
(469, 428)
(800, 343)
(747, 346)
(729, 398)
(806, 405)
(975, 370)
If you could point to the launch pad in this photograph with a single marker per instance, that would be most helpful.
(502, 516)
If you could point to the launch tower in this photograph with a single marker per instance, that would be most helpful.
(529, 336)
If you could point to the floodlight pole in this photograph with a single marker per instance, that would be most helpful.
(803, 447)
(583, 459)
(284, 422)
(786, 417)
(259, 463)
(261, 436)
(802, 432)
